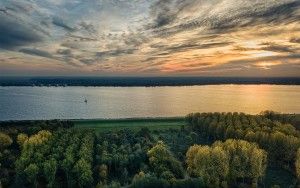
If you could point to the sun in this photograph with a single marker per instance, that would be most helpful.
(267, 65)
(263, 54)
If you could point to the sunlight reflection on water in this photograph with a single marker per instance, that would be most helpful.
(124, 102)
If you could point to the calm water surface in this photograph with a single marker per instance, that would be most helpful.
(23, 103)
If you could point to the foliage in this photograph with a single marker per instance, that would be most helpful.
(150, 182)
(120, 155)
(56, 154)
(21, 139)
(163, 162)
(231, 161)
(281, 141)
(5, 140)
(45, 149)
(38, 139)
(297, 164)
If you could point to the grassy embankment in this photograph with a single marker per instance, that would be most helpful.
(133, 124)
(137, 123)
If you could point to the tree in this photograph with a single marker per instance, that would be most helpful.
(138, 176)
(161, 160)
(247, 160)
(67, 165)
(232, 160)
(21, 138)
(150, 182)
(39, 138)
(212, 164)
(124, 176)
(270, 130)
(83, 173)
(297, 164)
(49, 168)
(103, 173)
(5, 140)
(31, 173)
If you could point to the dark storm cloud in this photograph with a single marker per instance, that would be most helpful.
(36, 52)
(14, 32)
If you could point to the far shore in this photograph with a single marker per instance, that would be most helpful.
(143, 81)
(104, 119)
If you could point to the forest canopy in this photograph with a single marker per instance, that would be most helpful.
(209, 150)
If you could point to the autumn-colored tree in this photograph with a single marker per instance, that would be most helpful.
(212, 164)
(103, 173)
(226, 161)
(247, 160)
(39, 138)
(5, 140)
(21, 138)
(271, 131)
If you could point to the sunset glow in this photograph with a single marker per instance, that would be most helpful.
(150, 38)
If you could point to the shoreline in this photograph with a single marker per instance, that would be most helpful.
(129, 119)
(146, 86)
(143, 81)
(103, 119)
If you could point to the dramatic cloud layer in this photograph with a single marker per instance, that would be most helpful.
(150, 37)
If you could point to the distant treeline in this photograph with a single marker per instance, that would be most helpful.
(141, 81)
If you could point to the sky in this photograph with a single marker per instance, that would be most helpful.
(150, 38)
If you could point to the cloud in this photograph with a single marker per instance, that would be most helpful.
(159, 36)
(295, 40)
(64, 51)
(36, 52)
(15, 33)
(251, 61)
(88, 61)
(114, 53)
(220, 15)
(61, 23)
(162, 13)
(277, 48)
(90, 28)
(186, 47)
(82, 38)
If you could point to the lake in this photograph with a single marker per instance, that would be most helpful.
(31, 103)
